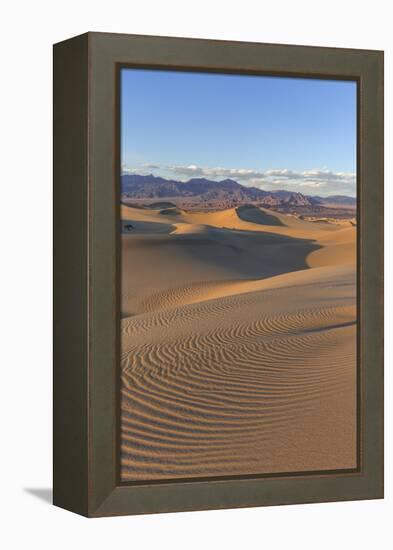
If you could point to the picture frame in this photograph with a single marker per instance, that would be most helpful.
(86, 273)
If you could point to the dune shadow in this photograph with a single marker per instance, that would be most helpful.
(171, 212)
(133, 227)
(251, 254)
(253, 214)
(160, 205)
(244, 254)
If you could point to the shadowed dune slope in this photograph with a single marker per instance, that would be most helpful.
(249, 213)
(196, 254)
(238, 345)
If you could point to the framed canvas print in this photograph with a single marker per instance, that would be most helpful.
(218, 260)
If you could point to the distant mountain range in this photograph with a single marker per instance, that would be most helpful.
(136, 186)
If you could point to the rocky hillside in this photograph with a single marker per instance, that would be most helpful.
(226, 191)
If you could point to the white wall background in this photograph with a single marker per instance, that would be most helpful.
(28, 29)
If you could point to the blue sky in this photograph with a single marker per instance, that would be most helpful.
(269, 132)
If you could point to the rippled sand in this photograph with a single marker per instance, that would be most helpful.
(238, 344)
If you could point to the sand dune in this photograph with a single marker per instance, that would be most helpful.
(238, 344)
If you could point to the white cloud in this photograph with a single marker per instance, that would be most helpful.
(284, 173)
(328, 175)
(127, 170)
(313, 183)
(329, 182)
(214, 173)
(151, 166)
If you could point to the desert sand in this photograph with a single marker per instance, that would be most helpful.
(238, 343)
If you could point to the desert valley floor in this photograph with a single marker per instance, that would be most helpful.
(238, 343)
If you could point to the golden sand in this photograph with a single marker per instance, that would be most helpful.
(238, 344)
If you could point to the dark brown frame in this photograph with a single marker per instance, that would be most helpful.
(86, 171)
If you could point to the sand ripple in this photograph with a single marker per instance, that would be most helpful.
(226, 386)
(238, 344)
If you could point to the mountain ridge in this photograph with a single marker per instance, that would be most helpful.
(137, 186)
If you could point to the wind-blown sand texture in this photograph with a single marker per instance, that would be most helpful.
(238, 343)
